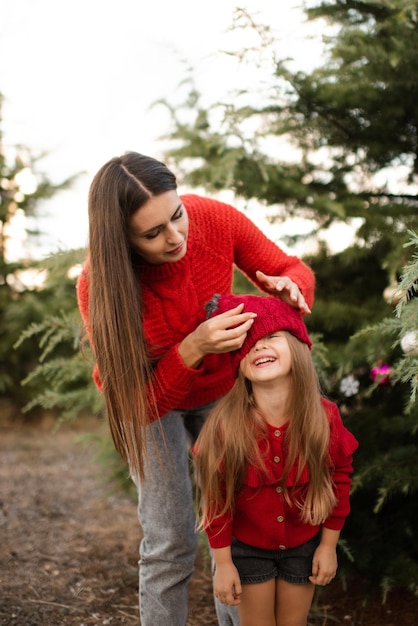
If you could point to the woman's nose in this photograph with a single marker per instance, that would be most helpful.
(173, 236)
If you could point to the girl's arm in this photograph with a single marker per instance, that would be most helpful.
(343, 445)
(226, 580)
(324, 562)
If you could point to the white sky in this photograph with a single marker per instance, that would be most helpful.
(79, 77)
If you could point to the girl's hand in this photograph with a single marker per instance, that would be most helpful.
(324, 565)
(227, 584)
(222, 333)
(286, 289)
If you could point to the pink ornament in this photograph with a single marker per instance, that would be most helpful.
(381, 373)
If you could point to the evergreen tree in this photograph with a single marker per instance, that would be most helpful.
(385, 417)
(60, 375)
(25, 297)
(352, 124)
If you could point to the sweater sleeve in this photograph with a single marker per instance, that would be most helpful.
(230, 229)
(219, 532)
(254, 251)
(342, 446)
(168, 391)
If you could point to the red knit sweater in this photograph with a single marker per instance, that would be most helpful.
(174, 295)
(263, 518)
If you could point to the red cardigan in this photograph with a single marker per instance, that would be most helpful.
(174, 295)
(262, 517)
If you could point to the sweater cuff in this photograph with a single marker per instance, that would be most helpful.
(172, 381)
(335, 523)
(220, 537)
(171, 363)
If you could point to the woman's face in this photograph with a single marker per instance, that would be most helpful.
(268, 360)
(158, 230)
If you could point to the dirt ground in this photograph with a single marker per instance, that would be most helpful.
(69, 543)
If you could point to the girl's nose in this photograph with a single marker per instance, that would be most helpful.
(260, 344)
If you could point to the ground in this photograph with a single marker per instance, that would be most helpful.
(69, 542)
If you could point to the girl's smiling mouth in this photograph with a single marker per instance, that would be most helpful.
(263, 360)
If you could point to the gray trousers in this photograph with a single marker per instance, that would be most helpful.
(166, 514)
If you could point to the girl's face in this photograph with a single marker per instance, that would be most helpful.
(268, 360)
(158, 230)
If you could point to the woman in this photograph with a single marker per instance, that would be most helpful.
(273, 463)
(154, 259)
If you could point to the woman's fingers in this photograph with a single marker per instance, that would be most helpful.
(286, 290)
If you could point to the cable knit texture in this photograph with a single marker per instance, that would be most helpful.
(272, 315)
(174, 296)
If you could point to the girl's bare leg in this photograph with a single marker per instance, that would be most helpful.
(258, 604)
(293, 603)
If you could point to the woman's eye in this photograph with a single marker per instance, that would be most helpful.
(152, 235)
(178, 215)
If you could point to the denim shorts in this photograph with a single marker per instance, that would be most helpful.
(256, 565)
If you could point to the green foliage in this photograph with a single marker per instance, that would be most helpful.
(61, 380)
(339, 145)
(383, 415)
(351, 124)
(21, 300)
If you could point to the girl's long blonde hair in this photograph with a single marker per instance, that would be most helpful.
(121, 187)
(228, 443)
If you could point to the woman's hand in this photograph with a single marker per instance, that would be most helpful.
(222, 333)
(286, 289)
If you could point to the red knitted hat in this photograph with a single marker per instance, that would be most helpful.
(272, 315)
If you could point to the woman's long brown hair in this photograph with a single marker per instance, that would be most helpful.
(228, 443)
(119, 189)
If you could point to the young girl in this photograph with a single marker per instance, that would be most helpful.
(273, 463)
(154, 259)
